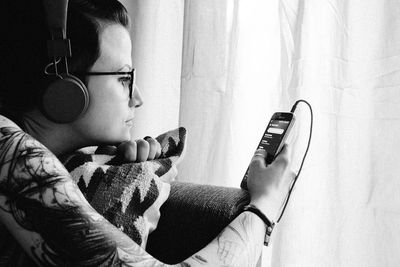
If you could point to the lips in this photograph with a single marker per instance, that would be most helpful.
(129, 122)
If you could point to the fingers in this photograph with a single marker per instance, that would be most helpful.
(128, 151)
(139, 150)
(158, 153)
(281, 162)
(268, 186)
(260, 153)
(143, 149)
(283, 157)
(154, 149)
(259, 158)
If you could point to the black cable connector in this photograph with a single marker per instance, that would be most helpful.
(304, 157)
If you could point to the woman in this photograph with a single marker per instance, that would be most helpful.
(32, 178)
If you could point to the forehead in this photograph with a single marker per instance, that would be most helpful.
(115, 48)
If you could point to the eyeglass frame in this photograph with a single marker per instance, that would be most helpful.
(99, 73)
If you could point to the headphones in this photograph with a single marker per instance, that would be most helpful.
(66, 98)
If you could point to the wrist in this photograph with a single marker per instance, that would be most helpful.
(269, 225)
(268, 206)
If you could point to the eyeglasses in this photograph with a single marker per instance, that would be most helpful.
(98, 73)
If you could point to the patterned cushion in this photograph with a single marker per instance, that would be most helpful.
(129, 195)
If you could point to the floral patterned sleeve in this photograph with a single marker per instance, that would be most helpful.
(47, 214)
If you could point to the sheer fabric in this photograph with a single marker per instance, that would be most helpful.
(157, 57)
(343, 56)
(229, 85)
(240, 61)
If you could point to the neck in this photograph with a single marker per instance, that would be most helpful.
(59, 138)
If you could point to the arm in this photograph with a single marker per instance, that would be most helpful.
(47, 214)
(192, 216)
(239, 244)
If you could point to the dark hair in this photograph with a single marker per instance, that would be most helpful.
(23, 52)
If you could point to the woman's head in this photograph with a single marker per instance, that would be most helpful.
(111, 111)
(100, 41)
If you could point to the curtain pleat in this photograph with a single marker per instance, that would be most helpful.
(343, 57)
(233, 63)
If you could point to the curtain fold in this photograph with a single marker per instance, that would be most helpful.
(221, 68)
(157, 28)
(343, 56)
(228, 85)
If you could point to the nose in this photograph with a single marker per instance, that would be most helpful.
(136, 100)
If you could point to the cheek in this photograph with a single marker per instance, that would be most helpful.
(108, 107)
(108, 110)
(107, 96)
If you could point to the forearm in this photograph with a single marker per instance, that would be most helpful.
(74, 236)
(239, 244)
(47, 214)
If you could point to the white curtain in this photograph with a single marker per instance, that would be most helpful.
(229, 85)
(221, 68)
(157, 56)
(343, 56)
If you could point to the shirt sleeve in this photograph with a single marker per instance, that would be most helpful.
(47, 214)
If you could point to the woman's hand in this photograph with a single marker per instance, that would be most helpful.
(139, 150)
(269, 185)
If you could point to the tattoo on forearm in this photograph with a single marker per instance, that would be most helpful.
(239, 244)
(61, 227)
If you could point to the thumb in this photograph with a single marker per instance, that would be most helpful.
(283, 157)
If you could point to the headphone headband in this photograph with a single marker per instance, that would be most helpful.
(56, 14)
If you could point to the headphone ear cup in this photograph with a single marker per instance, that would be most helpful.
(65, 99)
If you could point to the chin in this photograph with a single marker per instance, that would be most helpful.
(125, 136)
